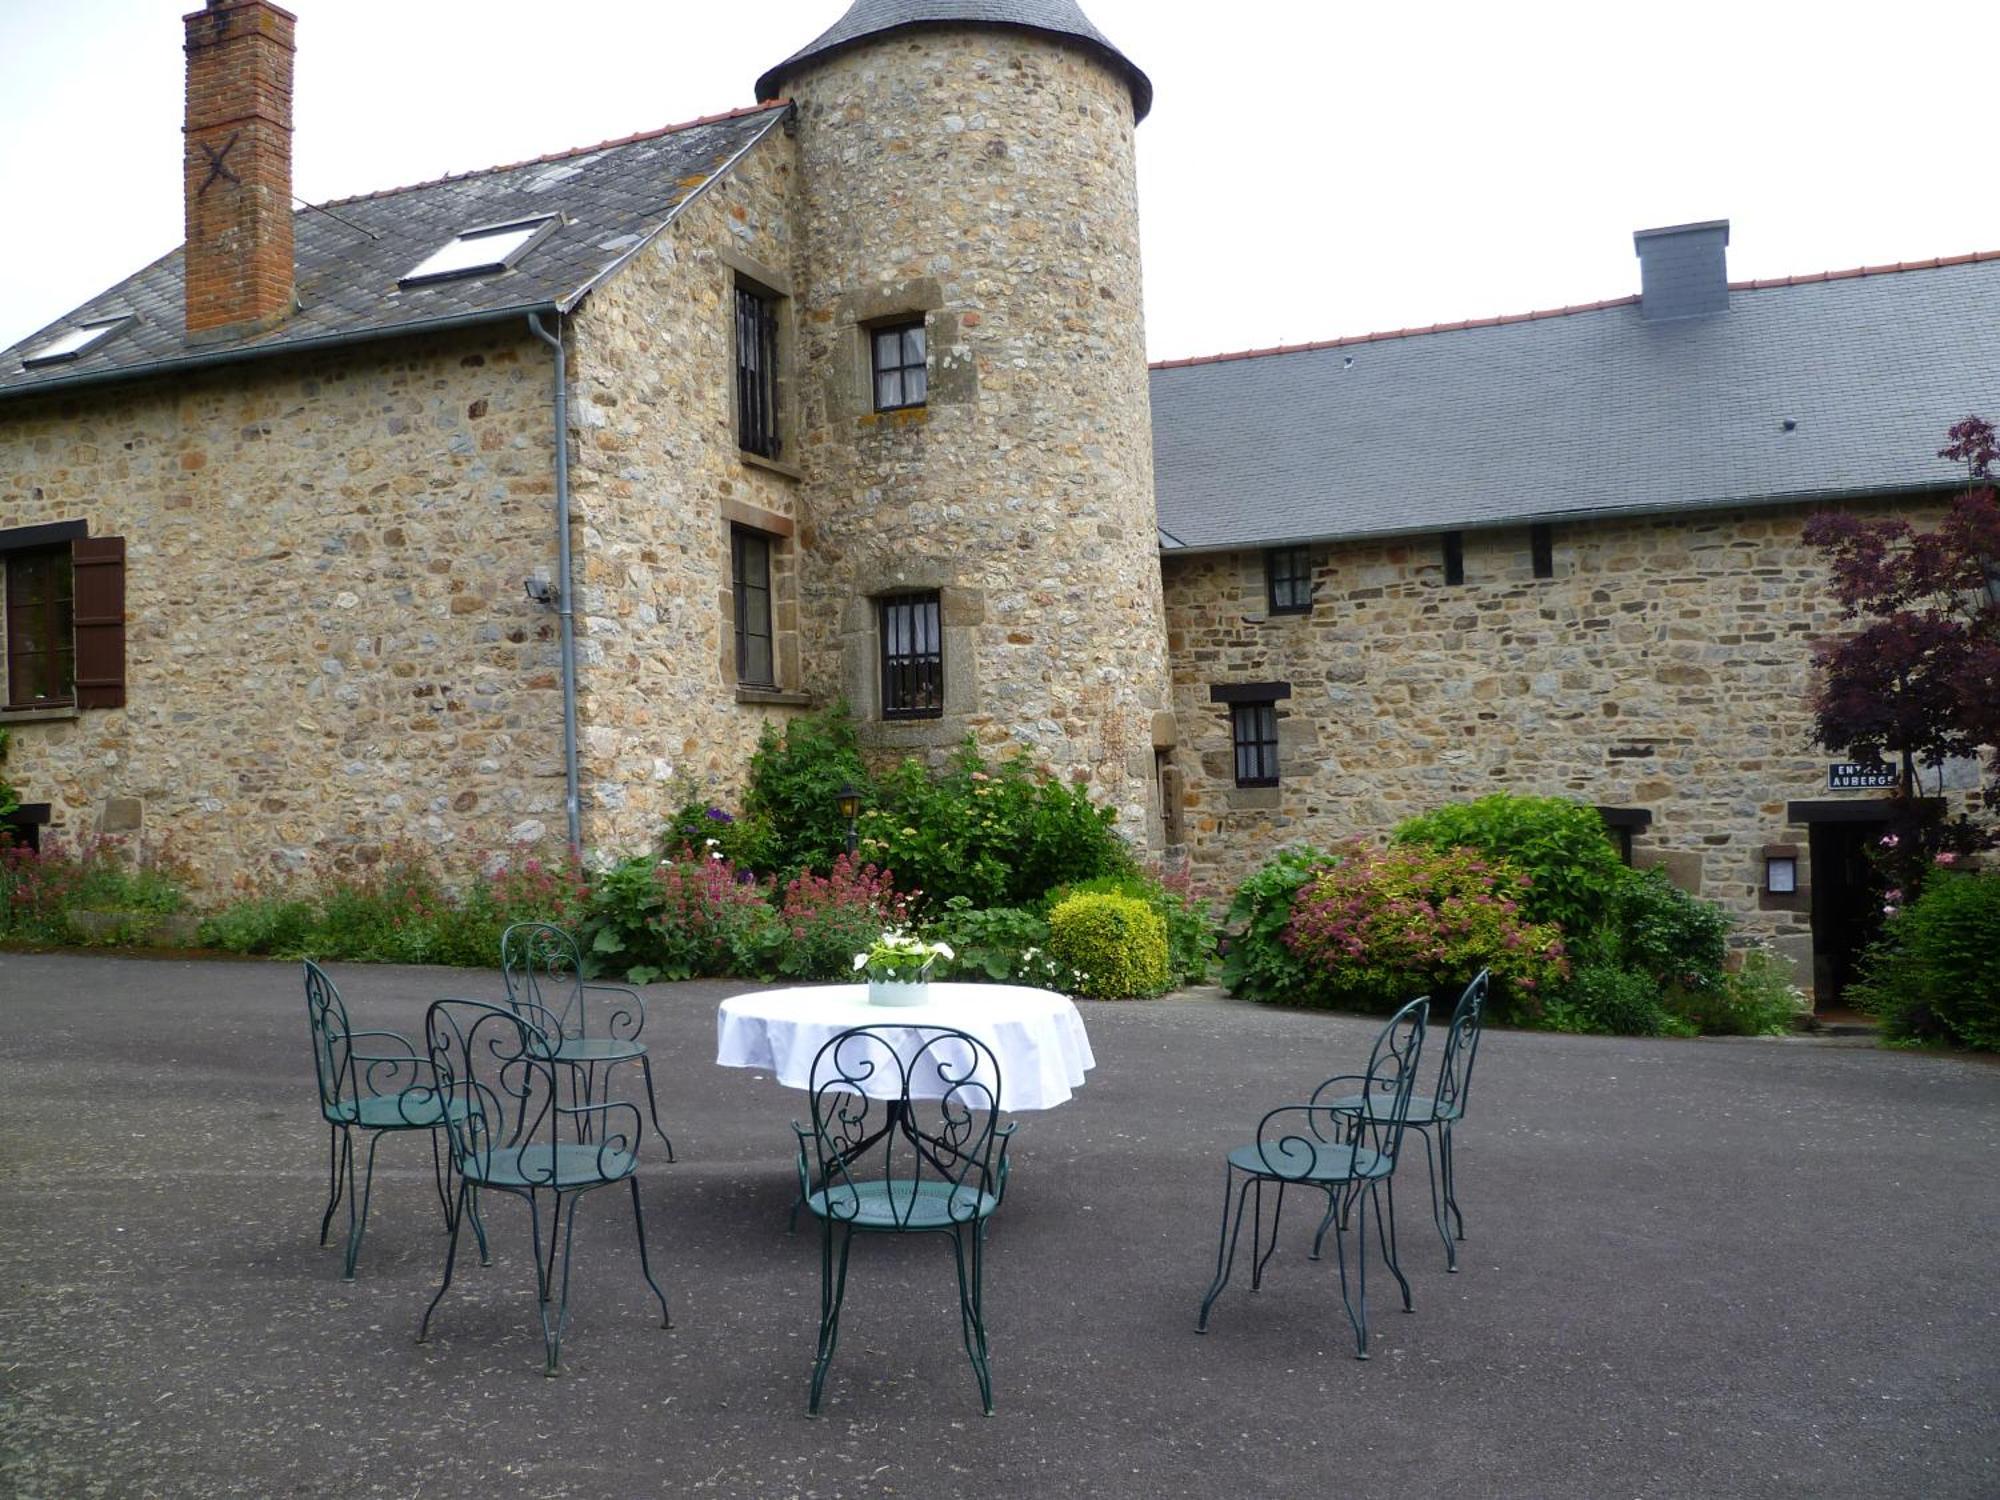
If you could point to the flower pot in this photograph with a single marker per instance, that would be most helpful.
(899, 991)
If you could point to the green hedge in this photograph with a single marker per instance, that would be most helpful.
(1115, 946)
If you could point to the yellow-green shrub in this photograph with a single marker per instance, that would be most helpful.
(1111, 947)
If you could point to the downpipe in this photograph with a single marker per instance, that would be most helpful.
(565, 592)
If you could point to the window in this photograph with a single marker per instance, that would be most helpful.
(912, 657)
(750, 575)
(1253, 723)
(756, 372)
(481, 252)
(72, 343)
(1454, 557)
(41, 628)
(1288, 580)
(1255, 726)
(1541, 542)
(64, 617)
(901, 376)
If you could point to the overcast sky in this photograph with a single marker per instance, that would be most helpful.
(1311, 168)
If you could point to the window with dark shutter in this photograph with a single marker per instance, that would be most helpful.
(756, 372)
(912, 657)
(750, 577)
(64, 616)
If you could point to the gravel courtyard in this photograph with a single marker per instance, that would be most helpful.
(1693, 1269)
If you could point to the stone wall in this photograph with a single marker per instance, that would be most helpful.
(983, 181)
(1665, 666)
(328, 645)
(657, 478)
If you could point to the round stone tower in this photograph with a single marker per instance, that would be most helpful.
(975, 432)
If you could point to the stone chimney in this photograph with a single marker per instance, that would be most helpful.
(1683, 270)
(238, 168)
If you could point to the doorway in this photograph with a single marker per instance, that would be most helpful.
(1846, 889)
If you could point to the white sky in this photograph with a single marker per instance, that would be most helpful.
(1310, 169)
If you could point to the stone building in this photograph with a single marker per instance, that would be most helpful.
(479, 512)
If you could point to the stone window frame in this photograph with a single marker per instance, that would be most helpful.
(900, 328)
(920, 602)
(1260, 700)
(952, 374)
(1288, 580)
(779, 531)
(962, 615)
(774, 287)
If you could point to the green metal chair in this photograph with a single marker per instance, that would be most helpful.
(1349, 1157)
(505, 1087)
(597, 1025)
(373, 1081)
(1438, 1110)
(904, 1140)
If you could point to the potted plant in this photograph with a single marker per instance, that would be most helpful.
(898, 966)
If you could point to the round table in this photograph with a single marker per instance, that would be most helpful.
(1036, 1035)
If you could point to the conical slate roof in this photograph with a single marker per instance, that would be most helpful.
(867, 19)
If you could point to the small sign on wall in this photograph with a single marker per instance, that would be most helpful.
(1860, 775)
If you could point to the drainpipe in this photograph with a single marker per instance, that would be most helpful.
(565, 612)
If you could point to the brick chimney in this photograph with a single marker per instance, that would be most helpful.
(1683, 270)
(238, 168)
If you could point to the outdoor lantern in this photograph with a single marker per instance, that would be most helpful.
(848, 801)
(1781, 874)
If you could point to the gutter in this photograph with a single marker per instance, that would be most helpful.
(565, 590)
(239, 354)
(1561, 517)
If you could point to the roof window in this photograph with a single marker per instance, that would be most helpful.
(73, 342)
(480, 252)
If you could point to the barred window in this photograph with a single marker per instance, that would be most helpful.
(1255, 726)
(912, 657)
(1288, 578)
(750, 578)
(756, 372)
(901, 376)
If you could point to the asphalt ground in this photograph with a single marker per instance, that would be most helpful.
(1694, 1269)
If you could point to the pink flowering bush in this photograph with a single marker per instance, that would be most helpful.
(1373, 927)
(826, 919)
(38, 890)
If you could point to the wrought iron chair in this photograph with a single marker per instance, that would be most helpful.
(503, 1082)
(544, 975)
(1439, 1110)
(375, 1081)
(923, 1102)
(1349, 1157)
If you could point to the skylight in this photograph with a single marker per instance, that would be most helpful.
(72, 342)
(480, 252)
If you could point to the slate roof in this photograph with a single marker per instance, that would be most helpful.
(872, 18)
(614, 197)
(1582, 412)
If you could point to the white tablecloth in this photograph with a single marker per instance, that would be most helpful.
(1036, 1035)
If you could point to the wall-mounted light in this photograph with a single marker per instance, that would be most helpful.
(1781, 874)
(541, 591)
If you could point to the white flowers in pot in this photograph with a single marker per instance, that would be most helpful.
(898, 966)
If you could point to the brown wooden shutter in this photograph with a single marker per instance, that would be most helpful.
(100, 621)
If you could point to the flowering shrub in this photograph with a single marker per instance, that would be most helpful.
(681, 919)
(826, 918)
(1380, 925)
(1561, 846)
(38, 890)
